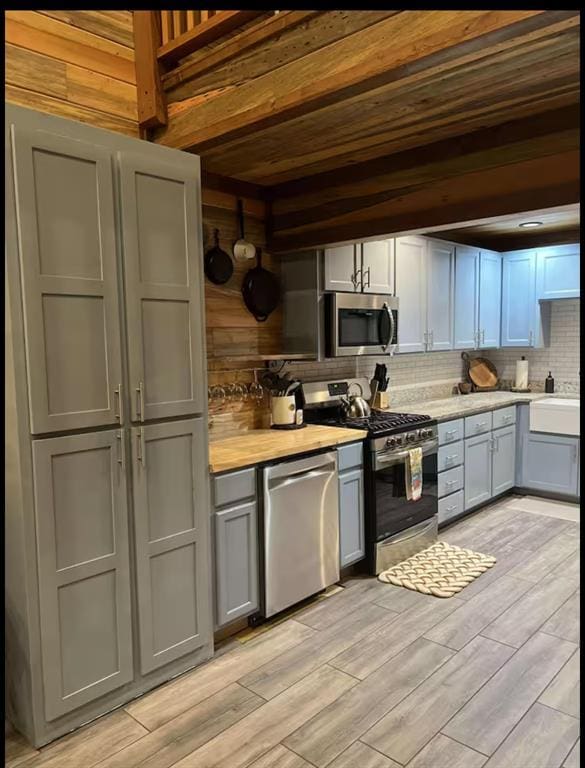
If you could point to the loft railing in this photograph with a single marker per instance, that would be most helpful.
(163, 38)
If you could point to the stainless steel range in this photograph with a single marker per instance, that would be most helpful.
(396, 527)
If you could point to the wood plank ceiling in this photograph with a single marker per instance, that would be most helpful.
(361, 123)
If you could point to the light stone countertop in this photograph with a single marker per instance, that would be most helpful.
(456, 406)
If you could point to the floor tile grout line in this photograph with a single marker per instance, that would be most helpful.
(560, 712)
(378, 751)
(473, 749)
(310, 762)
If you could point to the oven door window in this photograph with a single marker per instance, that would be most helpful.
(394, 512)
(365, 327)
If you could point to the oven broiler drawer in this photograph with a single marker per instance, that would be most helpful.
(450, 456)
(450, 481)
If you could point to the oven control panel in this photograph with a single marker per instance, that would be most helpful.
(411, 438)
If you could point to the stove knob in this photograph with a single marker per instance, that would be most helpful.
(391, 442)
(426, 433)
(411, 437)
(399, 440)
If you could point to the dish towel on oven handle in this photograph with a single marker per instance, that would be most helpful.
(414, 474)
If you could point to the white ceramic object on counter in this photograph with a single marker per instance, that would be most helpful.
(556, 415)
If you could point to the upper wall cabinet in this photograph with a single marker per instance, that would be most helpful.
(161, 212)
(558, 272)
(361, 268)
(466, 295)
(525, 320)
(340, 269)
(478, 277)
(67, 247)
(440, 268)
(411, 259)
(378, 266)
(490, 299)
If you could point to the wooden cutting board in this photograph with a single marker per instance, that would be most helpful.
(481, 371)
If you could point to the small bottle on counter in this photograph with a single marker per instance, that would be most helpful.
(549, 383)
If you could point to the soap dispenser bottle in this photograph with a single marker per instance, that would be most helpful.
(549, 383)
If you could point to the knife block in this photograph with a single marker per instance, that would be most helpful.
(381, 401)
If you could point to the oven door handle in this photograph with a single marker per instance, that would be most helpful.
(387, 460)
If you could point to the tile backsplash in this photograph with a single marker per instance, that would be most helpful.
(422, 376)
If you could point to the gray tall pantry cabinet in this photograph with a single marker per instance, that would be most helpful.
(107, 521)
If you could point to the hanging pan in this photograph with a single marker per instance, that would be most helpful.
(481, 372)
(260, 290)
(218, 264)
(243, 249)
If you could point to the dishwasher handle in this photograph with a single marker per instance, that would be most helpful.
(296, 467)
(295, 477)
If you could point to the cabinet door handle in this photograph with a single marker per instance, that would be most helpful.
(451, 508)
(575, 454)
(432, 338)
(140, 447)
(140, 401)
(530, 336)
(453, 456)
(451, 432)
(121, 449)
(359, 281)
(450, 482)
(509, 417)
(368, 285)
(483, 335)
(479, 424)
(120, 410)
(426, 339)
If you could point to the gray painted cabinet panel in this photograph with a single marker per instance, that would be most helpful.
(236, 562)
(172, 540)
(478, 470)
(440, 268)
(504, 459)
(67, 248)
(351, 517)
(84, 583)
(161, 217)
(550, 463)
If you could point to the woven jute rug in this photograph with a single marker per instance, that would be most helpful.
(441, 570)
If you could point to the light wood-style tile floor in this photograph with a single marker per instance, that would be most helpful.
(376, 676)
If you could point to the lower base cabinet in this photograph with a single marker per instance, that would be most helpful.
(550, 463)
(490, 465)
(235, 537)
(351, 517)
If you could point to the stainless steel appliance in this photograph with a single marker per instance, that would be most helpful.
(319, 324)
(396, 527)
(360, 324)
(300, 529)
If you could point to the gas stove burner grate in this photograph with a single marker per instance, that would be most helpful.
(379, 423)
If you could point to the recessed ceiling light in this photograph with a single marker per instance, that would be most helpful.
(530, 224)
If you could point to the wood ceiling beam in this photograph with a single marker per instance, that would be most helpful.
(514, 242)
(421, 41)
(543, 182)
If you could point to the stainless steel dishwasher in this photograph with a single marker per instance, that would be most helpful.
(300, 530)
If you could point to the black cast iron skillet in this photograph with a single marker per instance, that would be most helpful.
(218, 264)
(260, 290)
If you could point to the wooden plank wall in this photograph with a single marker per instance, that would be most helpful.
(75, 64)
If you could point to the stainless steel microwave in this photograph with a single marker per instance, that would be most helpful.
(360, 324)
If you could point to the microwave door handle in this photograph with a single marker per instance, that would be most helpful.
(391, 320)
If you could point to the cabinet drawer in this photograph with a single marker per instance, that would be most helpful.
(450, 481)
(450, 456)
(450, 506)
(478, 424)
(450, 431)
(504, 417)
(234, 486)
(349, 456)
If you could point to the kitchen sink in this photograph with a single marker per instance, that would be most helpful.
(555, 414)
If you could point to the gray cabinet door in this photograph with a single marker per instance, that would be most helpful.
(341, 269)
(550, 463)
(161, 222)
(351, 517)
(490, 299)
(378, 266)
(504, 459)
(466, 297)
(439, 286)
(236, 562)
(478, 470)
(411, 260)
(84, 583)
(519, 304)
(67, 245)
(171, 526)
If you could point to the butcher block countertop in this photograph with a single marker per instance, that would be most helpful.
(260, 445)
